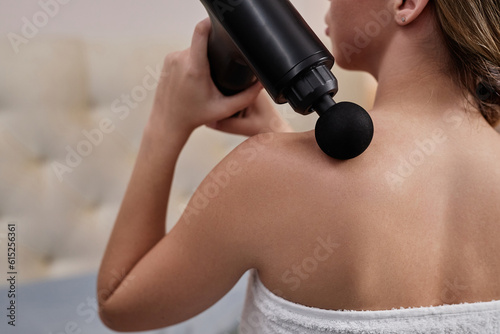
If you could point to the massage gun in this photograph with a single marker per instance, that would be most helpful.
(268, 40)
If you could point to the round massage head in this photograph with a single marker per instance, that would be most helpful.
(344, 131)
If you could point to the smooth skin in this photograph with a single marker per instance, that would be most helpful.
(414, 221)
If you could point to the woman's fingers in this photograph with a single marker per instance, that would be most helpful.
(240, 101)
(260, 116)
(235, 126)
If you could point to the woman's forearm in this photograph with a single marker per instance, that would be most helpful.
(141, 221)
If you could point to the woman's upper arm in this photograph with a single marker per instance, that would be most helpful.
(200, 260)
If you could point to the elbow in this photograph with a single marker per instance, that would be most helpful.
(112, 319)
(123, 320)
(107, 318)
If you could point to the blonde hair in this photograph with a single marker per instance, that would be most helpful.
(471, 30)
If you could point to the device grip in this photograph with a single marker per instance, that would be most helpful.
(272, 38)
(228, 68)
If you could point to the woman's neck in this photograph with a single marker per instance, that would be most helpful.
(424, 94)
(413, 74)
(422, 88)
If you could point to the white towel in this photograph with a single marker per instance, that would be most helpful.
(266, 313)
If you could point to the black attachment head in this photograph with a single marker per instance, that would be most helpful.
(344, 131)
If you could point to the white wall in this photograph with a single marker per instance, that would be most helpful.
(122, 18)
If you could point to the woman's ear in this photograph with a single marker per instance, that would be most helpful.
(408, 11)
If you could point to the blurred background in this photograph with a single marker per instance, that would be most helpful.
(77, 80)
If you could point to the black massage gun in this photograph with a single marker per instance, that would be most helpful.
(268, 40)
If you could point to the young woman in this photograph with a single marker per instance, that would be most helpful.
(412, 224)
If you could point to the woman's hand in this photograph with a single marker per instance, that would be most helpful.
(186, 97)
(260, 116)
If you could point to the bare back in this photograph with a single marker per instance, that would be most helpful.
(415, 221)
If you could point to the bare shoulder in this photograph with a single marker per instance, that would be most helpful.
(289, 152)
(293, 162)
(282, 182)
(270, 157)
(278, 145)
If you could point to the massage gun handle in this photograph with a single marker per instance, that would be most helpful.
(228, 68)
